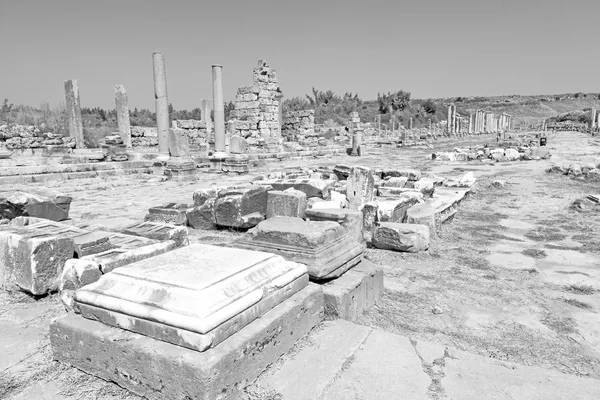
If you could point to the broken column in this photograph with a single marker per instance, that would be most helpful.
(592, 119)
(162, 103)
(123, 114)
(217, 158)
(74, 110)
(451, 118)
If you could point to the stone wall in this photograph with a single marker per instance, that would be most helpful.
(29, 137)
(257, 106)
(195, 131)
(298, 123)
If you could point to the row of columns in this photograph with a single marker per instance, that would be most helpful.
(162, 109)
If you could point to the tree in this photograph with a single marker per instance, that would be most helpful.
(392, 102)
(430, 106)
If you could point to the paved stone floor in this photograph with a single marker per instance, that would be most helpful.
(512, 289)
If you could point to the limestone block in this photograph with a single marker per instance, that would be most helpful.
(511, 154)
(138, 362)
(168, 213)
(326, 205)
(241, 207)
(354, 292)
(287, 203)
(360, 187)
(324, 246)
(401, 237)
(394, 210)
(237, 145)
(369, 211)
(311, 187)
(91, 243)
(78, 273)
(350, 220)
(397, 182)
(193, 297)
(32, 260)
(178, 143)
(425, 214)
(158, 231)
(411, 174)
(342, 171)
(425, 186)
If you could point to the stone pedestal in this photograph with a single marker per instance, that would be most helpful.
(235, 163)
(217, 159)
(181, 168)
(356, 144)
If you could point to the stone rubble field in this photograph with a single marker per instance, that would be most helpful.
(496, 295)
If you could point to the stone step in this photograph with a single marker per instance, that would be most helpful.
(307, 373)
(62, 176)
(70, 168)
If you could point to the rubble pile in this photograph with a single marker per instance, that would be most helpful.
(27, 137)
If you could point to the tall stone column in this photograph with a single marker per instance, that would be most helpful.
(74, 110)
(218, 108)
(123, 114)
(592, 119)
(205, 110)
(162, 103)
(450, 119)
(410, 123)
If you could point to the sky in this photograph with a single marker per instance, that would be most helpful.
(431, 48)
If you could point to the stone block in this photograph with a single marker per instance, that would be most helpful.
(237, 145)
(203, 216)
(350, 220)
(311, 187)
(159, 370)
(369, 211)
(287, 203)
(178, 143)
(123, 255)
(324, 246)
(354, 292)
(236, 163)
(411, 174)
(194, 297)
(401, 237)
(395, 181)
(78, 273)
(425, 214)
(242, 207)
(394, 210)
(158, 231)
(168, 213)
(91, 243)
(32, 260)
(360, 187)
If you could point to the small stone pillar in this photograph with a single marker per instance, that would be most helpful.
(356, 144)
(162, 103)
(592, 119)
(74, 110)
(180, 166)
(123, 115)
(205, 110)
(410, 123)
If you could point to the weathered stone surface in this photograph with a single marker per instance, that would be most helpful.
(157, 231)
(127, 254)
(242, 207)
(236, 163)
(324, 246)
(342, 171)
(287, 203)
(393, 181)
(394, 210)
(425, 214)
(160, 370)
(326, 205)
(369, 211)
(185, 297)
(360, 187)
(52, 207)
(31, 260)
(200, 196)
(91, 243)
(237, 145)
(178, 143)
(168, 213)
(311, 187)
(411, 174)
(400, 192)
(511, 154)
(350, 220)
(78, 273)
(354, 292)
(203, 217)
(401, 237)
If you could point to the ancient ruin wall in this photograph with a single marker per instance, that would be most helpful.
(298, 124)
(257, 106)
(195, 131)
(29, 137)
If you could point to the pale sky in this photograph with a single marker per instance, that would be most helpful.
(432, 48)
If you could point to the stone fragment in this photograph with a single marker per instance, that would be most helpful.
(394, 210)
(354, 292)
(401, 237)
(425, 186)
(350, 220)
(324, 246)
(575, 170)
(411, 174)
(511, 154)
(242, 207)
(467, 180)
(360, 187)
(237, 145)
(326, 205)
(195, 296)
(158, 370)
(342, 171)
(498, 183)
(158, 231)
(339, 198)
(400, 192)
(32, 260)
(287, 203)
(91, 243)
(178, 143)
(200, 196)
(393, 181)
(168, 213)
(78, 273)
(236, 163)
(311, 187)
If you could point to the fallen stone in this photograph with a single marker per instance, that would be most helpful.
(498, 183)
(369, 211)
(411, 174)
(397, 182)
(168, 213)
(311, 187)
(242, 207)
(157, 231)
(78, 273)
(394, 210)
(342, 171)
(575, 170)
(354, 292)
(359, 187)
(287, 203)
(158, 370)
(512, 154)
(401, 237)
(324, 246)
(350, 220)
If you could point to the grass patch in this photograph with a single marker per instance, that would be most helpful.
(534, 253)
(559, 325)
(586, 290)
(545, 234)
(474, 262)
(578, 304)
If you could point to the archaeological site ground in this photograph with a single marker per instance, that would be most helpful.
(264, 251)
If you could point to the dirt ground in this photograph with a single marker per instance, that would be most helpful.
(516, 275)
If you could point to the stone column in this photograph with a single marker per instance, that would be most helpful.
(74, 110)
(161, 102)
(123, 114)
(218, 108)
(410, 123)
(450, 119)
(205, 112)
(592, 119)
